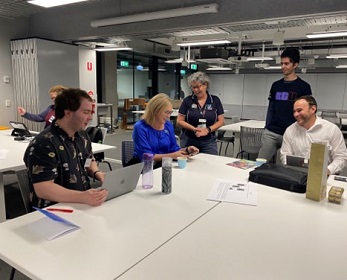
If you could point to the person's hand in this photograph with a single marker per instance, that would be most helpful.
(21, 111)
(94, 197)
(180, 153)
(192, 150)
(201, 131)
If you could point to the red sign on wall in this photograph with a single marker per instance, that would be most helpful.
(89, 66)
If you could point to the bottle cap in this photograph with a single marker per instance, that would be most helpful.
(147, 156)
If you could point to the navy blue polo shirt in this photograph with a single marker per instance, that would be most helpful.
(192, 111)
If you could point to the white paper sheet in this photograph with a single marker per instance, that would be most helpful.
(234, 192)
(3, 153)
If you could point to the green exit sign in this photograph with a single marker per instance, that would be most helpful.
(194, 66)
(124, 63)
(183, 72)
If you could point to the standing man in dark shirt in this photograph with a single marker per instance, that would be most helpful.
(60, 159)
(280, 111)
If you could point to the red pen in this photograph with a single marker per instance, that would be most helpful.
(60, 210)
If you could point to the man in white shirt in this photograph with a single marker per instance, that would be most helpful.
(309, 128)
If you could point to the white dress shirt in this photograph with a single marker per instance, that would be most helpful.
(297, 141)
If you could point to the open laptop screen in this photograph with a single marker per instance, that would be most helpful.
(20, 129)
(297, 163)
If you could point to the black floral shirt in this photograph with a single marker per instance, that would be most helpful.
(53, 155)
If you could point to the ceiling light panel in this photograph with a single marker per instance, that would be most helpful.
(186, 11)
(49, 4)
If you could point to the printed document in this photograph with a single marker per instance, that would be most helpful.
(234, 192)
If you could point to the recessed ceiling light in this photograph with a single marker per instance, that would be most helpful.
(49, 4)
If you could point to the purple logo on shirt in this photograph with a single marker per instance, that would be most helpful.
(284, 96)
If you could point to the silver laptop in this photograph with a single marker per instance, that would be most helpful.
(297, 163)
(122, 181)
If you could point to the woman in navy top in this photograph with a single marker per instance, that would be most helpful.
(155, 133)
(200, 115)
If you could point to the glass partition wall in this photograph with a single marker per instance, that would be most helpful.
(140, 76)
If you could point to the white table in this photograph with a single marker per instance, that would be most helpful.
(236, 129)
(285, 237)
(121, 232)
(14, 160)
(148, 235)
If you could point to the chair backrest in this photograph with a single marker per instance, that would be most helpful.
(127, 151)
(330, 114)
(96, 134)
(250, 139)
(24, 187)
(220, 133)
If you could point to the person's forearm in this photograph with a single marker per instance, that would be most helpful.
(54, 192)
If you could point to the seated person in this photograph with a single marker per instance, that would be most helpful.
(60, 159)
(308, 129)
(155, 133)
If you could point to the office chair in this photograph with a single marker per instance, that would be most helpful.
(224, 139)
(250, 141)
(332, 116)
(127, 151)
(24, 188)
(98, 135)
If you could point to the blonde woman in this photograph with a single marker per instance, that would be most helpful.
(154, 133)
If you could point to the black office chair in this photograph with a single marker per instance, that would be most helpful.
(98, 135)
(127, 151)
(224, 139)
(250, 142)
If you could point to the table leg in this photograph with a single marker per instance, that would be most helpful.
(2, 199)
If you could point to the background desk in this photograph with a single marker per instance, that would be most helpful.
(14, 160)
(236, 129)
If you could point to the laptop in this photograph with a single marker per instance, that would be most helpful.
(297, 163)
(20, 129)
(122, 181)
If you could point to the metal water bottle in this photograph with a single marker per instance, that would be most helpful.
(166, 175)
(147, 171)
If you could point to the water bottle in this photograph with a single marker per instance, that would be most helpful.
(147, 171)
(166, 175)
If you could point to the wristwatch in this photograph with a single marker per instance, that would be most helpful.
(209, 129)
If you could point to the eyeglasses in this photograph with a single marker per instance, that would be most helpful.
(168, 113)
(196, 87)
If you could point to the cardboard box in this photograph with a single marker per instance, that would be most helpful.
(316, 188)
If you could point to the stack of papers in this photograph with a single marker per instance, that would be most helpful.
(52, 226)
(235, 192)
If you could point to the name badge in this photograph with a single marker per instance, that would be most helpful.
(194, 106)
(88, 162)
